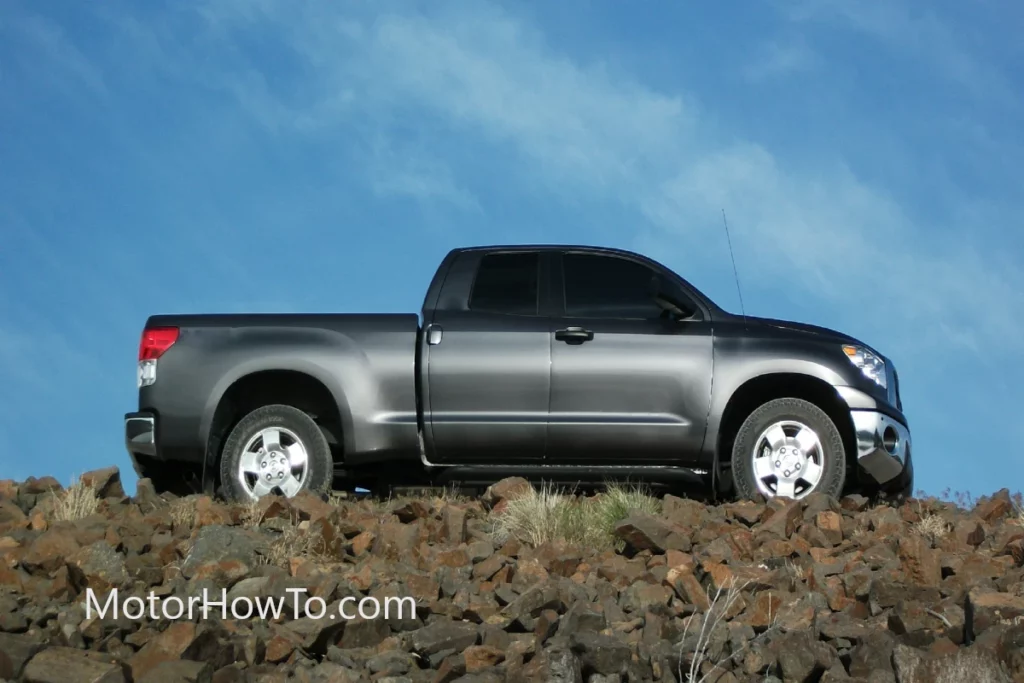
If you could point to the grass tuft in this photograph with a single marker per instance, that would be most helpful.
(551, 515)
(77, 501)
(931, 526)
(183, 513)
(295, 542)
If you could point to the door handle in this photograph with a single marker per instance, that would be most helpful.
(574, 335)
(434, 333)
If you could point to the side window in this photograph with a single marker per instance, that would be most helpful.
(609, 287)
(507, 283)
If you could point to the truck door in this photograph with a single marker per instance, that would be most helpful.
(488, 353)
(629, 383)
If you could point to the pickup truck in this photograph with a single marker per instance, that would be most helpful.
(548, 362)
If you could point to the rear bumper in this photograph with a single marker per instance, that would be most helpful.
(883, 446)
(140, 437)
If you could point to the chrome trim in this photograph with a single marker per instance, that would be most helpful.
(879, 464)
(140, 435)
(856, 399)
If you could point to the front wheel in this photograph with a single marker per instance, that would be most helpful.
(788, 448)
(275, 449)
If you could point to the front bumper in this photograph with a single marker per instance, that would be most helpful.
(140, 437)
(883, 445)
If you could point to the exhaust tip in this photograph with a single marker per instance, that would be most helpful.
(890, 440)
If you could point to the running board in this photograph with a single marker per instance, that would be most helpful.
(584, 474)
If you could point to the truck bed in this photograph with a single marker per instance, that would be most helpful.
(367, 363)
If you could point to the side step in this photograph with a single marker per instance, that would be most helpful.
(592, 475)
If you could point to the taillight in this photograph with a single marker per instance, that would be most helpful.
(156, 340)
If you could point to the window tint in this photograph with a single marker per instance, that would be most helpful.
(507, 283)
(609, 287)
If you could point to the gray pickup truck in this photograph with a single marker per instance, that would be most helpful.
(549, 362)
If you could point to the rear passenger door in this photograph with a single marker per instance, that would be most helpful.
(489, 360)
(629, 385)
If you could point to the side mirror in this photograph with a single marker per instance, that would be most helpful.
(677, 310)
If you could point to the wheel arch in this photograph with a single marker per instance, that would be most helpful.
(302, 385)
(758, 390)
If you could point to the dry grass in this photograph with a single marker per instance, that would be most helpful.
(720, 606)
(251, 514)
(295, 541)
(77, 501)
(1018, 508)
(931, 526)
(183, 513)
(552, 515)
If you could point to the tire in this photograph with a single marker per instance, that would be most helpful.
(297, 433)
(794, 416)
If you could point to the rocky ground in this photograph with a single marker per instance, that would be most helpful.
(815, 590)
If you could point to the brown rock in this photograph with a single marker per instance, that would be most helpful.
(482, 657)
(454, 524)
(644, 531)
(100, 567)
(395, 540)
(68, 665)
(168, 646)
(997, 506)
(310, 506)
(783, 521)
(15, 652)
(362, 543)
(181, 671)
(687, 587)
(510, 487)
(831, 525)
(920, 562)
(11, 517)
(689, 514)
(106, 482)
(50, 550)
(210, 512)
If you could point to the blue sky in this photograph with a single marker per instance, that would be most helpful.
(255, 155)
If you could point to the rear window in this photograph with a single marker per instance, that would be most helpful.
(507, 283)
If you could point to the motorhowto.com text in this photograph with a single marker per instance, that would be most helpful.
(244, 607)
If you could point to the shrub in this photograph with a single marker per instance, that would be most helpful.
(550, 515)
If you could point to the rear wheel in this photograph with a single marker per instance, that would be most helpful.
(275, 449)
(788, 448)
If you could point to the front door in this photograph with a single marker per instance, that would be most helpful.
(629, 383)
(489, 365)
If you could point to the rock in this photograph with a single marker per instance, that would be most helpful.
(599, 653)
(445, 635)
(68, 665)
(217, 543)
(181, 671)
(106, 482)
(642, 531)
(816, 589)
(503, 490)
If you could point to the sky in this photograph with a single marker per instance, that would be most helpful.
(275, 156)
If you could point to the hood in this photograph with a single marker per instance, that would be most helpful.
(803, 328)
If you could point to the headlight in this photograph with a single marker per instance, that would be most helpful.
(871, 365)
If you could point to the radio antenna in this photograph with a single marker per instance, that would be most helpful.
(735, 273)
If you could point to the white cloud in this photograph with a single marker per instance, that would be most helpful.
(585, 132)
(915, 30)
(65, 64)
